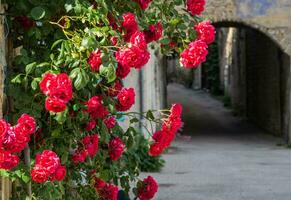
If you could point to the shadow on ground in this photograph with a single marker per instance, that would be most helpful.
(220, 157)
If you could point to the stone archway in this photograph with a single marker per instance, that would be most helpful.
(255, 75)
(270, 17)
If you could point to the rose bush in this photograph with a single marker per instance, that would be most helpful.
(68, 78)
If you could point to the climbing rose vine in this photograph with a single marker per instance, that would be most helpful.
(75, 135)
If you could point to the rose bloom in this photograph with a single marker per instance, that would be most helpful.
(148, 189)
(55, 105)
(194, 55)
(48, 83)
(48, 160)
(110, 122)
(132, 57)
(7, 160)
(25, 22)
(79, 156)
(129, 24)
(115, 89)
(156, 149)
(90, 125)
(57, 86)
(138, 39)
(15, 139)
(195, 7)
(95, 107)
(122, 71)
(60, 174)
(116, 148)
(4, 126)
(109, 192)
(27, 124)
(206, 32)
(99, 184)
(90, 143)
(154, 33)
(161, 141)
(126, 99)
(39, 174)
(144, 4)
(95, 61)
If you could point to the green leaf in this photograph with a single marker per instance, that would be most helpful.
(37, 13)
(30, 67)
(25, 178)
(61, 116)
(134, 120)
(16, 79)
(150, 115)
(56, 133)
(81, 80)
(165, 41)
(108, 72)
(105, 175)
(34, 83)
(56, 43)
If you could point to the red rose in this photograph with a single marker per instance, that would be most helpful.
(90, 143)
(144, 4)
(90, 125)
(48, 82)
(206, 32)
(154, 33)
(60, 174)
(115, 89)
(99, 184)
(79, 156)
(7, 160)
(110, 122)
(126, 98)
(59, 90)
(195, 7)
(39, 174)
(95, 61)
(25, 22)
(49, 160)
(62, 94)
(15, 139)
(194, 55)
(133, 57)
(122, 71)
(109, 192)
(55, 105)
(116, 148)
(129, 24)
(27, 124)
(176, 110)
(156, 149)
(138, 39)
(148, 189)
(4, 126)
(95, 107)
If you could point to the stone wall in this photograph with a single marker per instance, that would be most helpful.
(272, 17)
(263, 82)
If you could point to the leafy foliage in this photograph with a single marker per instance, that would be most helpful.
(58, 37)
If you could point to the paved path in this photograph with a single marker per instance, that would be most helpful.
(225, 158)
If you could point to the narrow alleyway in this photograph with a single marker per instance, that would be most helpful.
(220, 157)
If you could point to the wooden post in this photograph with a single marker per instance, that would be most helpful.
(5, 183)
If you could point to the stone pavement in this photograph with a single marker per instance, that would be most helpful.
(220, 157)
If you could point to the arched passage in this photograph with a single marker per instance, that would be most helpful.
(253, 72)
